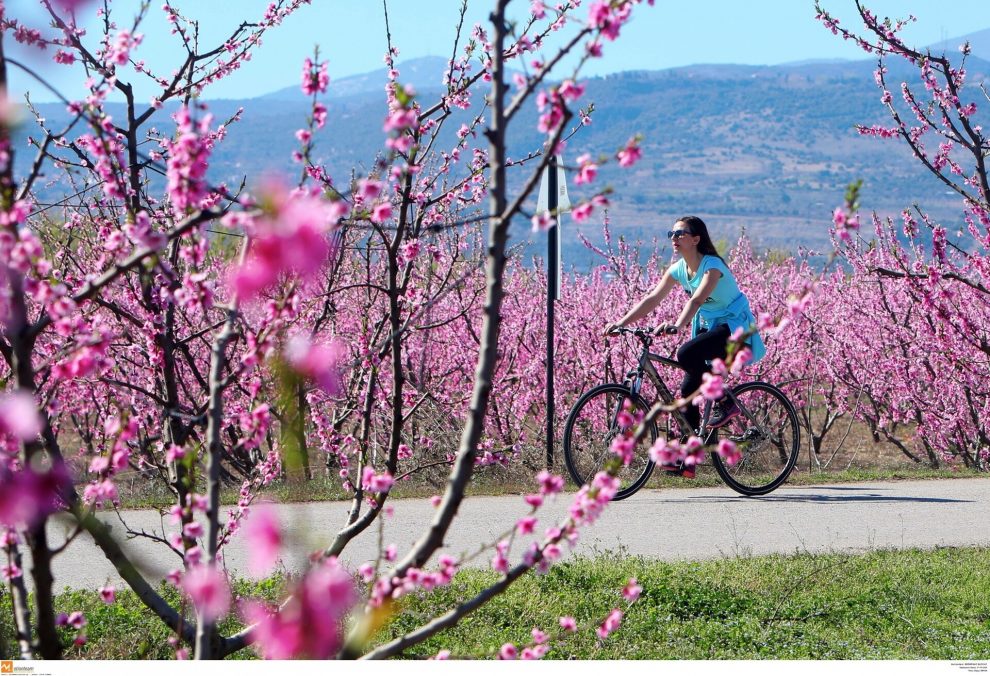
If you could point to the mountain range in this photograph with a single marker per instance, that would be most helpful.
(765, 149)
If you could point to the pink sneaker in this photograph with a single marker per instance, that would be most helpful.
(723, 411)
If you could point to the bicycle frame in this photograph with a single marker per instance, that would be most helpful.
(645, 367)
(756, 422)
(634, 379)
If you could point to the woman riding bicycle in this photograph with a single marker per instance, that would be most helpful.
(716, 307)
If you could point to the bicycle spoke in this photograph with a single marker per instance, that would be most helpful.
(766, 435)
(590, 429)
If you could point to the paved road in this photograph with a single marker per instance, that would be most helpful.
(674, 524)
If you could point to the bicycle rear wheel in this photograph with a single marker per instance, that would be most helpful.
(767, 434)
(588, 433)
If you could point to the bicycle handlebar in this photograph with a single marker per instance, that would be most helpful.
(644, 335)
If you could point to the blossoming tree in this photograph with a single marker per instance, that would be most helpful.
(192, 331)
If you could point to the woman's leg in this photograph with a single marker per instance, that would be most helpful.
(692, 355)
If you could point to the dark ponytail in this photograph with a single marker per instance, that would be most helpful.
(697, 227)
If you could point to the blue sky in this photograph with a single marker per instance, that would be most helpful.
(351, 35)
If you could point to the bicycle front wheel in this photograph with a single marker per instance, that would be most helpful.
(767, 435)
(588, 433)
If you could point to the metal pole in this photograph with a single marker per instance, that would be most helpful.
(552, 269)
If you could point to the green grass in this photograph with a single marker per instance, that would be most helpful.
(884, 605)
(126, 629)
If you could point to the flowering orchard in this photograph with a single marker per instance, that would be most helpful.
(203, 334)
(918, 293)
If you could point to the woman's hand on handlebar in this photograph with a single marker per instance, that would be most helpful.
(612, 329)
(667, 329)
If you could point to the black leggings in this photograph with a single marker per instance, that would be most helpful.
(692, 355)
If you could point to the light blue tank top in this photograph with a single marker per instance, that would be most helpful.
(726, 304)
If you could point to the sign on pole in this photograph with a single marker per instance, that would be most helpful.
(563, 201)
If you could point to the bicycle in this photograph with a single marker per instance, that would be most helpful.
(765, 431)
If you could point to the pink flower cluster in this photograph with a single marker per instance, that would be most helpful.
(27, 496)
(19, 417)
(310, 625)
(320, 362)
(188, 160)
(289, 238)
(315, 77)
(672, 452)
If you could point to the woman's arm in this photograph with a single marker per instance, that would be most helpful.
(647, 304)
(698, 298)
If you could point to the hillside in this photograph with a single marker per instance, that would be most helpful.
(765, 148)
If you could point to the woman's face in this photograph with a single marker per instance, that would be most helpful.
(681, 239)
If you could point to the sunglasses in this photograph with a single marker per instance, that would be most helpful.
(677, 234)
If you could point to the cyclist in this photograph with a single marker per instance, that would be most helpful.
(715, 308)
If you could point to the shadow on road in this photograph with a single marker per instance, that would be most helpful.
(821, 498)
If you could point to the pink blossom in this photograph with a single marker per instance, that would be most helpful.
(290, 238)
(76, 619)
(264, 539)
(309, 626)
(376, 483)
(108, 594)
(543, 221)
(315, 78)
(65, 58)
(399, 120)
(550, 484)
(694, 451)
(19, 415)
(588, 170)
(187, 163)
(624, 446)
(27, 495)
(629, 155)
(632, 590)
(320, 362)
(369, 189)
(208, 590)
(410, 250)
(174, 453)
(570, 90)
(524, 526)
(666, 452)
(743, 357)
(568, 623)
(582, 212)
(534, 500)
(728, 451)
(508, 652)
(193, 530)
(610, 624)
(712, 387)
(381, 212)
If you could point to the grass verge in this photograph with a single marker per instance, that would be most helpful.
(883, 605)
(323, 489)
(913, 604)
